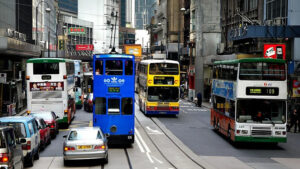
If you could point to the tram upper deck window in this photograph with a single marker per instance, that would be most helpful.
(114, 67)
(113, 106)
(99, 67)
(164, 68)
(128, 67)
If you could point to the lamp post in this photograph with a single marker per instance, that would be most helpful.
(179, 32)
(48, 10)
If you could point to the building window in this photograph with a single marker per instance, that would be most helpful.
(276, 9)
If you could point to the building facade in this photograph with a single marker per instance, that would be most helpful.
(105, 14)
(16, 46)
(144, 10)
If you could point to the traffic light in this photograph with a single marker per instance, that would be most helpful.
(61, 44)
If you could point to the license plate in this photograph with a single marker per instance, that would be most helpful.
(162, 112)
(84, 147)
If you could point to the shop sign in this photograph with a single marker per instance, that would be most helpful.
(274, 51)
(296, 88)
(77, 31)
(84, 47)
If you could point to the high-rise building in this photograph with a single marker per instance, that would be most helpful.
(105, 14)
(144, 10)
(68, 7)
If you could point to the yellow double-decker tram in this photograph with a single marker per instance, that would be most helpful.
(159, 82)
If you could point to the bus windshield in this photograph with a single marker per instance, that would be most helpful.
(164, 68)
(45, 68)
(163, 94)
(262, 71)
(261, 111)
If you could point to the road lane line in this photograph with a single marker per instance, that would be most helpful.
(139, 144)
(142, 140)
(149, 157)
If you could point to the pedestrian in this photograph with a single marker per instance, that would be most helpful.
(293, 120)
(181, 91)
(199, 99)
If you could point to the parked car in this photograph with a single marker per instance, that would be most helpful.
(50, 119)
(45, 136)
(88, 103)
(11, 155)
(85, 143)
(27, 130)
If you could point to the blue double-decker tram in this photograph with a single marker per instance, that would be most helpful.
(114, 78)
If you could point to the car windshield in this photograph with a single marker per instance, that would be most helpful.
(164, 94)
(83, 135)
(45, 116)
(261, 111)
(164, 68)
(19, 128)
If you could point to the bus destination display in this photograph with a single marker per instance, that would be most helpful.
(262, 91)
(162, 80)
(114, 89)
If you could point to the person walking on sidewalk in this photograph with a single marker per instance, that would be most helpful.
(199, 99)
(293, 120)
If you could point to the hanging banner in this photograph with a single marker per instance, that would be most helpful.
(84, 47)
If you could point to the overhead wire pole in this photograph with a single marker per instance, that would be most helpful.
(114, 48)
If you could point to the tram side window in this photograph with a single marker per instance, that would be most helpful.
(99, 67)
(113, 106)
(114, 67)
(100, 105)
(128, 67)
(127, 106)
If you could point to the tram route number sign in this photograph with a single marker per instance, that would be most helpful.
(262, 91)
(113, 89)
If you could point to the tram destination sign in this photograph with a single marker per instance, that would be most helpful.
(262, 91)
(113, 89)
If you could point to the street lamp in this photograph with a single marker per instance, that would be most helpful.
(182, 10)
(48, 10)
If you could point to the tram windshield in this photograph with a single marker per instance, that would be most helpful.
(163, 94)
(261, 111)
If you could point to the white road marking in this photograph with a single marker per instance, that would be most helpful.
(157, 160)
(142, 141)
(149, 157)
(139, 144)
(152, 131)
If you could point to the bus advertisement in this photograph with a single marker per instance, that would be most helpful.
(113, 112)
(50, 87)
(78, 83)
(159, 82)
(249, 100)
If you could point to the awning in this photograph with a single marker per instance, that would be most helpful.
(16, 47)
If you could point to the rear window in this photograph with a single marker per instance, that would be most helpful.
(19, 128)
(45, 116)
(45, 68)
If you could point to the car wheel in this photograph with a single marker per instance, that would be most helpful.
(106, 159)
(37, 154)
(66, 162)
(30, 161)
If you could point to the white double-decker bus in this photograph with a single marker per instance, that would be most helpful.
(249, 99)
(50, 87)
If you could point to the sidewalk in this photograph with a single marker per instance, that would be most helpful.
(204, 103)
(21, 113)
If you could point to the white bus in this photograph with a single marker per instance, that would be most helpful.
(249, 100)
(50, 87)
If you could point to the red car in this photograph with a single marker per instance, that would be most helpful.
(50, 119)
(45, 137)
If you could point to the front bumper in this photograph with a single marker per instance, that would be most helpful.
(4, 166)
(85, 155)
(260, 139)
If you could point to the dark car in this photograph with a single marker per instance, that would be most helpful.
(45, 136)
(88, 103)
(10, 149)
(50, 119)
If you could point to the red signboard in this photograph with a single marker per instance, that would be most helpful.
(84, 47)
(274, 51)
(46, 86)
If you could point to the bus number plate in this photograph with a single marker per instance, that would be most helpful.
(262, 91)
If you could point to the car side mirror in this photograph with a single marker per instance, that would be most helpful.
(22, 140)
(65, 136)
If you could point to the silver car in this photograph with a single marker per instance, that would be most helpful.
(85, 143)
